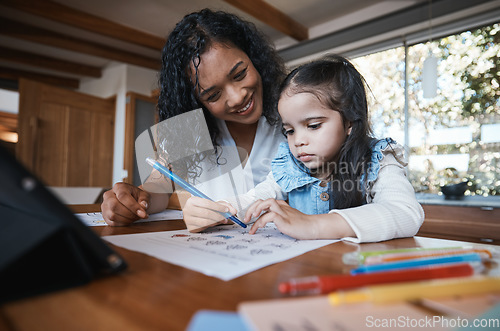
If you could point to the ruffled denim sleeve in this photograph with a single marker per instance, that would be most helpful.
(289, 173)
(379, 151)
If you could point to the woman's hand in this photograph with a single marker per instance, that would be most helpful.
(288, 220)
(124, 204)
(200, 214)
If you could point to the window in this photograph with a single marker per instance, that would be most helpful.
(454, 136)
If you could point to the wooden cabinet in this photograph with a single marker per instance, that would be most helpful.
(472, 224)
(65, 137)
(141, 114)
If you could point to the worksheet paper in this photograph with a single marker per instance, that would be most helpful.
(225, 252)
(96, 219)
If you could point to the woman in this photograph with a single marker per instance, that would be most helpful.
(218, 62)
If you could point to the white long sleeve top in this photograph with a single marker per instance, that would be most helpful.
(391, 209)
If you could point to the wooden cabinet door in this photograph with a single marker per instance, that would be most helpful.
(140, 115)
(65, 137)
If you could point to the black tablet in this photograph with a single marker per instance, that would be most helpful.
(43, 246)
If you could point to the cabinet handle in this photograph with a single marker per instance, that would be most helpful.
(34, 133)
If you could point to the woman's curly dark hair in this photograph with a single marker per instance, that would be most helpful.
(193, 36)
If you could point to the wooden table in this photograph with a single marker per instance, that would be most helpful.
(155, 295)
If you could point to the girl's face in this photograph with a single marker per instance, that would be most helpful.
(230, 86)
(315, 133)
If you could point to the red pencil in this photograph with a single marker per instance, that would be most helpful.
(327, 284)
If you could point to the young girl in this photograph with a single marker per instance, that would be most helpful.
(339, 181)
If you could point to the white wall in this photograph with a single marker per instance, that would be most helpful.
(9, 101)
(118, 79)
(141, 80)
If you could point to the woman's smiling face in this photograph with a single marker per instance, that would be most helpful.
(229, 86)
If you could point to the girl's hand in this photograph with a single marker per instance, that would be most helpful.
(288, 220)
(200, 214)
(124, 204)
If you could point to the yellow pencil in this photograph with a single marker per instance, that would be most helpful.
(417, 290)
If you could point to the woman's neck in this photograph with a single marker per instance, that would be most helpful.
(243, 135)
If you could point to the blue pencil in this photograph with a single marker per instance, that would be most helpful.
(415, 263)
(188, 187)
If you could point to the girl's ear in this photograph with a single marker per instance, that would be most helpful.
(349, 128)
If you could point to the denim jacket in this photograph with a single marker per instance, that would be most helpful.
(309, 194)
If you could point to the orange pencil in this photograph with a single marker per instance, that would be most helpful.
(327, 284)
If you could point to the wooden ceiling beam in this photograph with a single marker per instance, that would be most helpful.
(273, 17)
(17, 56)
(38, 35)
(63, 14)
(14, 74)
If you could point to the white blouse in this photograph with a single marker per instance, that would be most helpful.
(229, 178)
